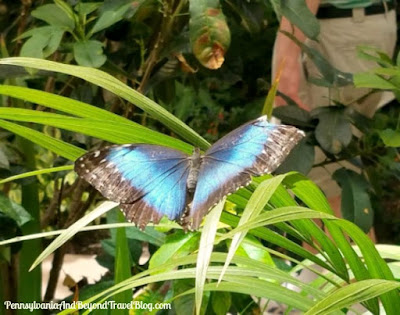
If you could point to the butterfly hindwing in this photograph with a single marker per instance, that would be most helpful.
(253, 149)
(148, 181)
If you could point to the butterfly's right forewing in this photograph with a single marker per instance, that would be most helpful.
(253, 149)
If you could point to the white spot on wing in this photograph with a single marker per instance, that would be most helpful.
(96, 153)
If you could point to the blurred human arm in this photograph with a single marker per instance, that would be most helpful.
(289, 53)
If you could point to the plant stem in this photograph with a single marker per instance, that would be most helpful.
(30, 249)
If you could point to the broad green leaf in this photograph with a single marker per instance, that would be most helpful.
(351, 294)
(89, 53)
(112, 15)
(372, 80)
(87, 8)
(59, 147)
(300, 159)
(333, 131)
(112, 84)
(150, 235)
(221, 302)
(177, 245)
(14, 211)
(390, 137)
(252, 248)
(43, 41)
(293, 115)
(73, 229)
(209, 32)
(298, 13)
(54, 15)
(356, 204)
(205, 250)
(184, 303)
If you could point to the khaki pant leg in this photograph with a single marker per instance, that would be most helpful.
(338, 42)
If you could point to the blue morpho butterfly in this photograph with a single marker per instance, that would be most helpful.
(150, 181)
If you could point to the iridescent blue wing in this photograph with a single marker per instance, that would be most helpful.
(148, 181)
(253, 149)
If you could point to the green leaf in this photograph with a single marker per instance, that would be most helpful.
(122, 268)
(117, 132)
(356, 204)
(73, 229)
(390, 137)
(351, 294)
(14, 211)
(150, 235)
(185, 304)
(209, 32)
(333, 131)
(293, 115)
(377, 267)
(256, 204)
(221, 302)
(372, 54)
(62, 103)
(112, 84)
(59, 147)
(112, 15)
(276, 216)
(309, 193)
(87, 8)
(373, 81)
(89, 53)
(37, 172)
(54, 15)
(298, 13)
(269, 100)
(251, 247)
(205, 250)
(44, 41)
(177, 245)
(300, 159)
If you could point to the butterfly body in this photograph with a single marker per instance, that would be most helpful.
(150, 181)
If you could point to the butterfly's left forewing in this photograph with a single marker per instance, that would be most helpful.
(253, 149)
(148, 181)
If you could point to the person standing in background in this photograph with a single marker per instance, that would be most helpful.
(344, 25)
